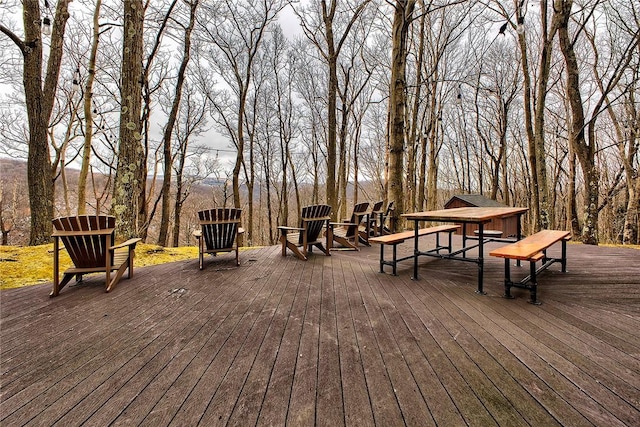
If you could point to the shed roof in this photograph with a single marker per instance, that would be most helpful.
(475, 200)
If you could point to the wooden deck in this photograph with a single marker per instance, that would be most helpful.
(331, 341)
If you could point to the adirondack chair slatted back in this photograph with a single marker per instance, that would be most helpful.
(377, 208)
(314, 228)
(219, 227)
(87, 250)
(375, 219)
(387, 214)
(357, 218)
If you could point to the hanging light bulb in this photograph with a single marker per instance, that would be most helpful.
(75, 84)
(46, 21)
(520, 26)
(46, 26)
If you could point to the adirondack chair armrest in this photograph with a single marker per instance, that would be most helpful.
(285, 228)
(130, 242)
(198, 233)
(220, 221)
(318, 218)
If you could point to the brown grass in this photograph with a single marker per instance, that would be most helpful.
(31, 265)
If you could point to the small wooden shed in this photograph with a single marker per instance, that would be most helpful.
(508, 226)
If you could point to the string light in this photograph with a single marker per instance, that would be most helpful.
(46, 21)
(520, 26)
(75, 84)
(46, 26)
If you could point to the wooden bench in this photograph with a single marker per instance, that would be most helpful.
(397, 238)
(533, 249)
(488, 234)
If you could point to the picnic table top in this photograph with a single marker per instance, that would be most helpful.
(466, 214)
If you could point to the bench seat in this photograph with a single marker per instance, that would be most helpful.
(533, 249)
(395, 239)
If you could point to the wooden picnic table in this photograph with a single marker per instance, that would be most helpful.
(465, 215)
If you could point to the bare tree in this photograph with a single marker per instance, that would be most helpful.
(625, 119)
(130, 177)
(193, 123)
(318, 26)
(171, 121)
(582, 133)
(236, 30)
(9, 214)
(402, 18)
(88, 110)
(40, 96)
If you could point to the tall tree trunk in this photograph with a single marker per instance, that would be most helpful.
(585, 151)
(422, 174)
(528, 124)
(332, 102)
(130, 172)
(572, 205)
(39, 100)
(432, 170)
(168, 130)
(180, 198)
(502, 149)
(88, 112)
(343, 170)
(414, 137)
(534, 124)
(630, 233)
(544, 213)
(403, 10)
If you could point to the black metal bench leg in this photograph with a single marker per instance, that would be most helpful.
(564, 256)
(395, 263)
(507, 278)
(534, 284)
(382, 258)
(464, 239)
(437, 243)
(416, 251)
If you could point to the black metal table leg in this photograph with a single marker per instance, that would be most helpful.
(507, 278)
(480, 258)
(415, 251)
(534, 284)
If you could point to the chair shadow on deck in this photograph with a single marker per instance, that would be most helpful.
(89, 241)
(301, 240)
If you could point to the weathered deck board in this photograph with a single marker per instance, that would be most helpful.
(330, 341)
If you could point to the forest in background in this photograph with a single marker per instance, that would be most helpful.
(531, 103)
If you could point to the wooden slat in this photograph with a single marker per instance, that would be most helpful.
(529, 246)
(404, 235)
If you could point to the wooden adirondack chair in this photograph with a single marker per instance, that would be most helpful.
(375, 219)
(89, 240)
(219, 229)
(313, 220)
(348, 234)
(382, 227)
